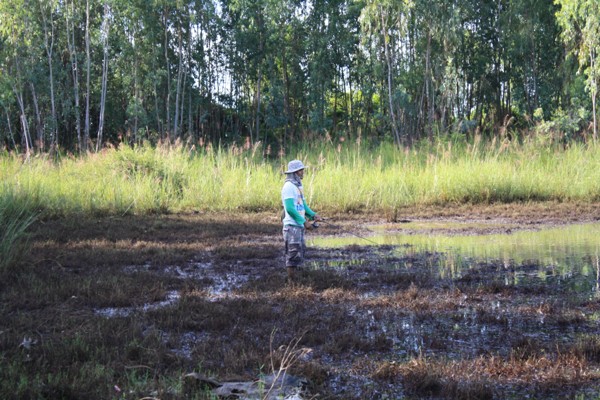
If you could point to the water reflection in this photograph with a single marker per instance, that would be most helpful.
(568, 255)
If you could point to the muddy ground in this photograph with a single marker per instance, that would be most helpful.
(149, 299)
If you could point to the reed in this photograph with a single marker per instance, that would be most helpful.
(341, 178)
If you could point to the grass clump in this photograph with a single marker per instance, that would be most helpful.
(15, 218)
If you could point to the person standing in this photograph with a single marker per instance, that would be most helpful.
(296, 217)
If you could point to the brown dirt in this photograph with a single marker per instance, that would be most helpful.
(370, 323)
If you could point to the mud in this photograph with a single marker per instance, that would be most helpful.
(370, 322)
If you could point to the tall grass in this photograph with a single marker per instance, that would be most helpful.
(344, 177)
(15, 218)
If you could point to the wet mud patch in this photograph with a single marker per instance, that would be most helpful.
(199, 294)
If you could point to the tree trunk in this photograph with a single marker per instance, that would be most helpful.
(105, 32)
(286, 100)
(594, 93)
(189, 74)
(389, 80)
(350, 105)
(159, 124)
(135, 97)
(75, 72)
(86, 133)
(258, 99)
(26, 138)
(428, 88)
(182, 104)
(39, 128)
(179, 84)
(190, 117)
(49, 45)
(10, 132)
(166, 47)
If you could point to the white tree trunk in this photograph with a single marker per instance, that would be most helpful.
(168, 105)
(179, 84)
(105, 32)
(86, 135)
(74, 70)
(49, 45)
(594, 92)
(23, 119)
(38, 118)
(10, 132)
(388, 61)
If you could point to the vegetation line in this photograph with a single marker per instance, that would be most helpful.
(353, 178)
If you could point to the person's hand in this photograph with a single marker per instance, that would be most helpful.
(317, 217)
(308, 224)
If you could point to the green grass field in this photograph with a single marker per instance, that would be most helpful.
(339, 179)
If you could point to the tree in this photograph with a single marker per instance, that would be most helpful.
(70, 16)
(47, 10)
(14, 18)
(580, 22)
(104, 36)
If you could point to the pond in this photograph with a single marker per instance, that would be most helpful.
(481, 302)
(566, 255)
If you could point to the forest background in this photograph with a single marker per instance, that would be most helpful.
(77, 75)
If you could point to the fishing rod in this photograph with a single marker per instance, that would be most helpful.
(316, 225)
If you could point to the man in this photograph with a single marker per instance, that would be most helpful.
(296, 216)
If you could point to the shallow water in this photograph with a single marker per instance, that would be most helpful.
(112, 312)
(470, 325)
(568, 253)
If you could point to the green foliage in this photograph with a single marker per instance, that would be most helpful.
(580, 22)
(283, 72)
(564, 125)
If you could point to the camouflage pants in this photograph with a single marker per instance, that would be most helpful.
(293, 236)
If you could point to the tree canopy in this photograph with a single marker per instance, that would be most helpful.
(77, 74)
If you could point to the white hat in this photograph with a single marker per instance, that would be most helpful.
(294, 166)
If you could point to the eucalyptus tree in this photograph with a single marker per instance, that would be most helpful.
(248, 27)
(209, 60)
(88, 66)
(580, 21)
(481, 53)
(48, 10)
(385, 37)
(325, 59)
(342, 38)
(71, 21)
(289, 36)
(263, 48)
(104, 38)
(435, 29)
(286, 70)
(146, 39)
(533, 57)
(7, 137)
(16, 45)
(182, 26)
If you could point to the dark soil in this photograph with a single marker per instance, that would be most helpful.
(124, 307)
